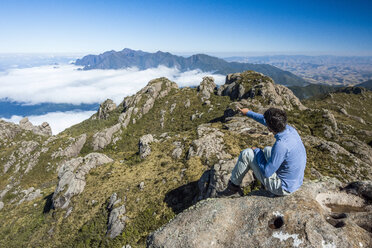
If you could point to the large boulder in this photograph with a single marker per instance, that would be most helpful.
(71, 177)
(256, 87)
(317, 215)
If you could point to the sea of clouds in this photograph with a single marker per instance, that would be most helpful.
(66, 84)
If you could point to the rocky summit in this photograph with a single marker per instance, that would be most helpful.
(145, 172)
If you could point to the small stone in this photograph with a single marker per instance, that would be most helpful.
(141, 186)
(51, 231)
(173, 106)
(69, 211)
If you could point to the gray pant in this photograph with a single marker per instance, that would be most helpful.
(248, 161)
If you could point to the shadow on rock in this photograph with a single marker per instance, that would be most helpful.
(48, 203)
(262, 192)
(182, 197)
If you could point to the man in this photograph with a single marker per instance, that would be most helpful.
(280, 168)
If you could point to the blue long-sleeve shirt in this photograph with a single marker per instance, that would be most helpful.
(288, 157)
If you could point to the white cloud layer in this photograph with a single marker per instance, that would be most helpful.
(58, 121)
(66, 84)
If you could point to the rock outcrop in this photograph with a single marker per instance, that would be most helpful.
(25, 157)
(137, 105)
(144, 145)
(117, 218)
(44, 129)
(177, 152)
(256, 87)
(73, 149)
(318, 215)
(103, 138)
(8, 131)
(105, 108)
(71, 177)
(30, 194)
(210, 144)
(206, 88)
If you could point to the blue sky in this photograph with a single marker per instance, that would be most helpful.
(219, 27)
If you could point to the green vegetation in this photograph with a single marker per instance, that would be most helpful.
(34, 224)
(312, 90)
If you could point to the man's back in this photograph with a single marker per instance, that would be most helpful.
(291, 171)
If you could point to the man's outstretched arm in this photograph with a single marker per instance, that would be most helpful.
(257, 117)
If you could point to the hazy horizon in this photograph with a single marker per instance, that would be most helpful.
(216, 54)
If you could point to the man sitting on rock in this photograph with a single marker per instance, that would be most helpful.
(280, 168)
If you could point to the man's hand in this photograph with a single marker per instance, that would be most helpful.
(244, 111)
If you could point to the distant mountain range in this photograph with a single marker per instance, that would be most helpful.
(314, 90)
(325, 69)
(144, 60)
(366, 84)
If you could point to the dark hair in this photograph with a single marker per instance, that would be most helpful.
(276, 119)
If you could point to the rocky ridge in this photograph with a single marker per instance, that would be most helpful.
(196, 138)
(43, 129)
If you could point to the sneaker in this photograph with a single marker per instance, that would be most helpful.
(231, 191)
